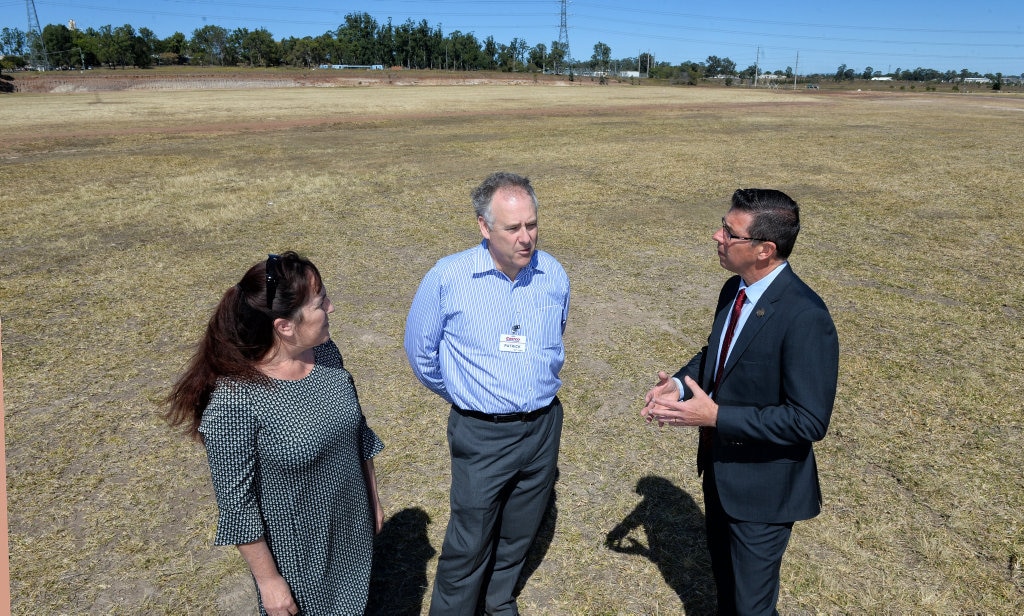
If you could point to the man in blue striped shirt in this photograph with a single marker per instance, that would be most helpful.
(485, 333)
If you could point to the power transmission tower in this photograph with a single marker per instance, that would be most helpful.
(36, 48)
(563, 34)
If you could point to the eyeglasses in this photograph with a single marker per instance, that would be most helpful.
(272, 277)
(729, 235)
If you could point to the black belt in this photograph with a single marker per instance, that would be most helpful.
(506, 417)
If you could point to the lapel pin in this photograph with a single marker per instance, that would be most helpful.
(760, 312)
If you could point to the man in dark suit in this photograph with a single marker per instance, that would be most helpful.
(761, 393)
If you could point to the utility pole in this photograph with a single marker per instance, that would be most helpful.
(757, 59)
(796, 69)
(37, 55)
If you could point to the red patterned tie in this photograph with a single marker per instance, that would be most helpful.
(729, 331)
(706, 432)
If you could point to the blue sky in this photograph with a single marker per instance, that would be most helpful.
(809, 36)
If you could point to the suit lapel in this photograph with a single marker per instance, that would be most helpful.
(758, 318)
(725, 300)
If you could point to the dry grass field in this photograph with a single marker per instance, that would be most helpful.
(125, 215)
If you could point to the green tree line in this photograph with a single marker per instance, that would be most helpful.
(361, 40)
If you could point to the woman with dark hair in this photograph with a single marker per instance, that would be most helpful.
(290, 452)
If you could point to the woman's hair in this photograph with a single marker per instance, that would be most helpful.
(241, 332)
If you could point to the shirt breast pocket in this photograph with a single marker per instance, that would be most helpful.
(550, 326)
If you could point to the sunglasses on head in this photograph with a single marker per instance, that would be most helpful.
(273, 275)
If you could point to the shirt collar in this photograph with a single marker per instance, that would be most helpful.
(756, 290)
(483, 262)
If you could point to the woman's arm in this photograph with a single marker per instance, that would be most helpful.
(371, 489)
(274, 590)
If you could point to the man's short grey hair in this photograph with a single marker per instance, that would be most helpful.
(484, 193)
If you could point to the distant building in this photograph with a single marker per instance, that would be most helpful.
(365, 67)
(881, 79)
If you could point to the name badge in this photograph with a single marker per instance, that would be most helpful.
(512, 343)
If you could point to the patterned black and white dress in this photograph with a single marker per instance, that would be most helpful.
(286, 461)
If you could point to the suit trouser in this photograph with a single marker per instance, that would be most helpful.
(746, 557)
(502, 476)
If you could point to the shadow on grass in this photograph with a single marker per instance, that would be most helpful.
(401, 552)
(676, 541)
(398, 582)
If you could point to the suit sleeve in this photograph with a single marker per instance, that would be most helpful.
(693, 370)
(695, 367)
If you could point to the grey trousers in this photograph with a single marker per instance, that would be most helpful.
(502, 476)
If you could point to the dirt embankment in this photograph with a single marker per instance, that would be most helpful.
(106, 80)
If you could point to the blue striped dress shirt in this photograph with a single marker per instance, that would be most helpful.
(461, 311)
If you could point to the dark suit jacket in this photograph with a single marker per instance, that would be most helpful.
(775, 399)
